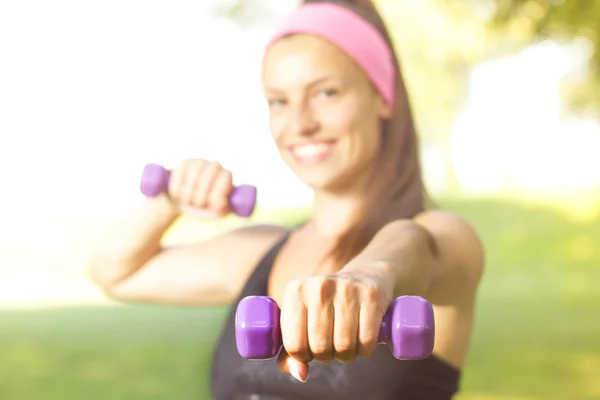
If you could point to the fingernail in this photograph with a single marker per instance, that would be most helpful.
(296, 373)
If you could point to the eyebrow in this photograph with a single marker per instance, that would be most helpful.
(309, 85)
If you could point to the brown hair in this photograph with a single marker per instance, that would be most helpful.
(396, 188)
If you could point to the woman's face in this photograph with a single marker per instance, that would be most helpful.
(324, 113)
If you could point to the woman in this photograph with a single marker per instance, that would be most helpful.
(341, 120)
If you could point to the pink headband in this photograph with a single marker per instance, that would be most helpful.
(359, 39)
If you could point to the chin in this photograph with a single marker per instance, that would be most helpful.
(324, 182)
(327, 175)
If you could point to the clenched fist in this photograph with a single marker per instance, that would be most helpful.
(201, 187)
(331, 317)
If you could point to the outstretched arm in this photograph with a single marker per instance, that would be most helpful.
(437, 253)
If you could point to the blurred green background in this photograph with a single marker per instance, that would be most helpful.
(538, 318)
(536, 335)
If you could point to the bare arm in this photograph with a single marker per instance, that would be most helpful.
(439, 256)
(132, 242)
(437, 253)
(459, 258)
(132, 265)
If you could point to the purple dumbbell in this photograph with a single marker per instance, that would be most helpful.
(408, 328)
(155, 180)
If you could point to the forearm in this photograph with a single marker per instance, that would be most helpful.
(402, 254)
(132, 241)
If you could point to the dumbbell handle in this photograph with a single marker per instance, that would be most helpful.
(155, 180)
(408, 328)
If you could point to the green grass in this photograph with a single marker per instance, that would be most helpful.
(537, 334)
(140, 352)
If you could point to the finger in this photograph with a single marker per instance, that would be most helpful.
(345, 331)
(218, 198)
(293, 323)
(176, 181)
(204, 184)
(320, 318)
(290, 365)
(190, 179)
(368, 328)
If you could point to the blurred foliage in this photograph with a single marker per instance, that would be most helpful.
(435, 52)
(439, 40)
(437, 43)
(245, 13)
(562, 20)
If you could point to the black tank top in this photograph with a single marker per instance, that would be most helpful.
(379, 377)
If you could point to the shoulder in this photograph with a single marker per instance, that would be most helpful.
(448, 222)
(255, 239)
(262, 230)
(237, 252)
(458, 269)
(257, 234)
(459, 246)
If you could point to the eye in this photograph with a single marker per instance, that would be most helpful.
(274, 102)
(327, 93)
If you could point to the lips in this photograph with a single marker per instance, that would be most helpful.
(311, 153)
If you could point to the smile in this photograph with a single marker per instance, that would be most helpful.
(311, 153)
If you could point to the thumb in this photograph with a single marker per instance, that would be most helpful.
(290, 365)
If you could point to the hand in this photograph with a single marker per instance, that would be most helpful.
(202, 188)
(331, 317)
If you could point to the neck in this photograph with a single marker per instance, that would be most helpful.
(334, 211)
(333, 214)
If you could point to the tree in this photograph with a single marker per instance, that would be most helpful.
(561, 20)
(439, 41)
(245, 13)
(458, 34)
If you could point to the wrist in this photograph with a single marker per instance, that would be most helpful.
(163, 208)
(382, 273)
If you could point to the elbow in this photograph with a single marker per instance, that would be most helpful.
(102, 274)
(97, 275)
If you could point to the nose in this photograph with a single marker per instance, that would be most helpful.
(302, 120)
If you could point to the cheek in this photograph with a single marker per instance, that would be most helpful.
(358, 126)
(373, 135)
(341, 120)
(276, 126)
(365, 140)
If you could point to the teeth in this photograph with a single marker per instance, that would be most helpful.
(310, 150)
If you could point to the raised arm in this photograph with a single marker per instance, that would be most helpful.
(131, 264)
